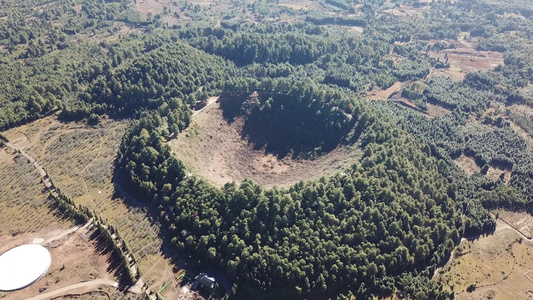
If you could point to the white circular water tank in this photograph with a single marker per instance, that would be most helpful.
(22, 266)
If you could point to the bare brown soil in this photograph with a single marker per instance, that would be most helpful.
(494, 173)
(465, 58)
(436, 110)
(497, 264)
(215, 150)
(75, 258)
(378, 94)
(453, 72)
(467, 164)
(522, 221)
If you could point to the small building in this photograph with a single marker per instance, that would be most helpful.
(204, 280)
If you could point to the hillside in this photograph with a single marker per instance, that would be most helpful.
(216, 149)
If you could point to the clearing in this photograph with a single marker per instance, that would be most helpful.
(80, 159)
(521, 120)
(436, 110)
(405, 11)
(521, 109)
(378, 94)
(216, 151)
(80, 264)
(467, 164)
(464, 58)
(299, 4)
(453, 72)
(521, 221)
(24, 205)
(495, 172)
(499, 265)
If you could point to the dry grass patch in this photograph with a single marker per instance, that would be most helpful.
(522, 133)
(378, 94)
(494, 174)
(467, 164)
(487, 262)
(152, 7)
(467, 59)
(496, 264)
(521, 109)
(215, 150)
(79, 159)
(406, 10)
(436, 110)
(300, 4)
(139, 231)
(24, 205)
(522, 221)
(453, 72)
(133, 223)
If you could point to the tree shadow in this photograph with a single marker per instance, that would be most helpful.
(231, 106)
(288, 126)
(115, 264)
(60, 214)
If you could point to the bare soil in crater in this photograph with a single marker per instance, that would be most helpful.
(215, 150)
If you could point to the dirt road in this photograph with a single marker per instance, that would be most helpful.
(209, 102)
(450, 260)
(48, 184)
(65, 290)
(510, 226)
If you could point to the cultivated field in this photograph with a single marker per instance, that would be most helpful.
(497, 266)
(24, 205)
(80, 159)
(464, 58)
(215, 150)
(405, 10)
